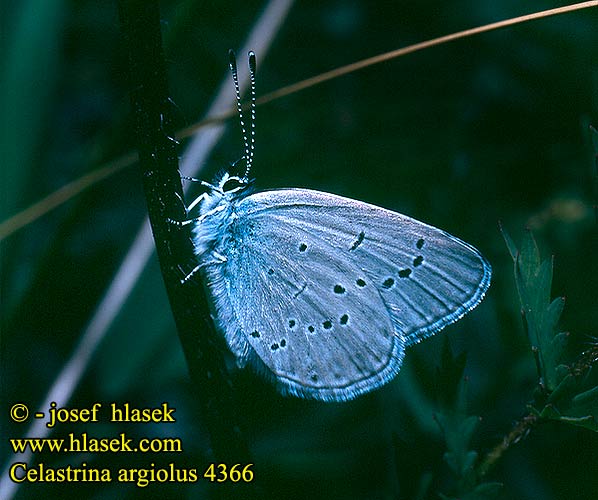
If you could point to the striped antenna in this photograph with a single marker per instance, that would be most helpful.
(252, 66)
(248, 143)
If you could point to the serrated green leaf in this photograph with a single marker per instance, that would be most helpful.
(585, 404)
(461, 463)
(553, 313)
(458, 430)
(521, 283)
(550, 412)
(558, 344)
(468, 427)
(561, 372)
(450, 377)
(529, 258)
(482, 491)
(587, 422)
(457, 427)
(533, 278)
(511, 247)
(588, 397)
(485, 490)
(552, 353)
(469, 460)
(564, 390)
(533, 410)
(542, 285)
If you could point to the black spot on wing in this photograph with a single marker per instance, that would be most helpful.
(387, 283)
(404, 273)
(358, 241)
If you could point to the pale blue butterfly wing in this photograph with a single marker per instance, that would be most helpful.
(322, 293)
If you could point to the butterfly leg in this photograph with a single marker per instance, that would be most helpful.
(196, 201)
(179, 223)
(218, 259)
(190, 275)
(202, 182)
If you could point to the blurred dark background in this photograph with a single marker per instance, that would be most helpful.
(489, 128)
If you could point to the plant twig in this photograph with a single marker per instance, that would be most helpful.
(519, 431)
(523, 427)
(140, 23)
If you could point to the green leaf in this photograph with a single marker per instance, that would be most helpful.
(589, 397)
(585, 404)
(510, 243)
(449, 376)
(553, 313)
(423, 488)
(587, 422)
(482, 491)
(533, 279)
(529, 257)
(564, 390)
(455, 424)
(550, 412)
(552, 352)
(561, 370)
(458, 431)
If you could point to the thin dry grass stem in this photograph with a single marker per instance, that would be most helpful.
(31, 213)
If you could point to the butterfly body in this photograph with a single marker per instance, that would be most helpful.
(321, 293)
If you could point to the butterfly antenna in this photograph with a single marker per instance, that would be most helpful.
(232, 63)
(252, 66)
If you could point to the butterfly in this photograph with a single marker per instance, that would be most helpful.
(319, 293)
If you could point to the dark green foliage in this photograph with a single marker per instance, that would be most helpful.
(458, 428)
(565, 392)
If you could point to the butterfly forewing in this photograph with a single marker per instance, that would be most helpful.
(427, 278)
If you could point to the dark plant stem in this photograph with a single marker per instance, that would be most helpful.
(140, 24)
(519, 431)
(523, 427)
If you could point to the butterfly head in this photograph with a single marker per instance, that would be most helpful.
(232, 186)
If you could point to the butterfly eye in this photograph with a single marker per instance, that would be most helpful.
(233, 184)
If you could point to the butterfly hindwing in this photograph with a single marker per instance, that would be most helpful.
(319, 334)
